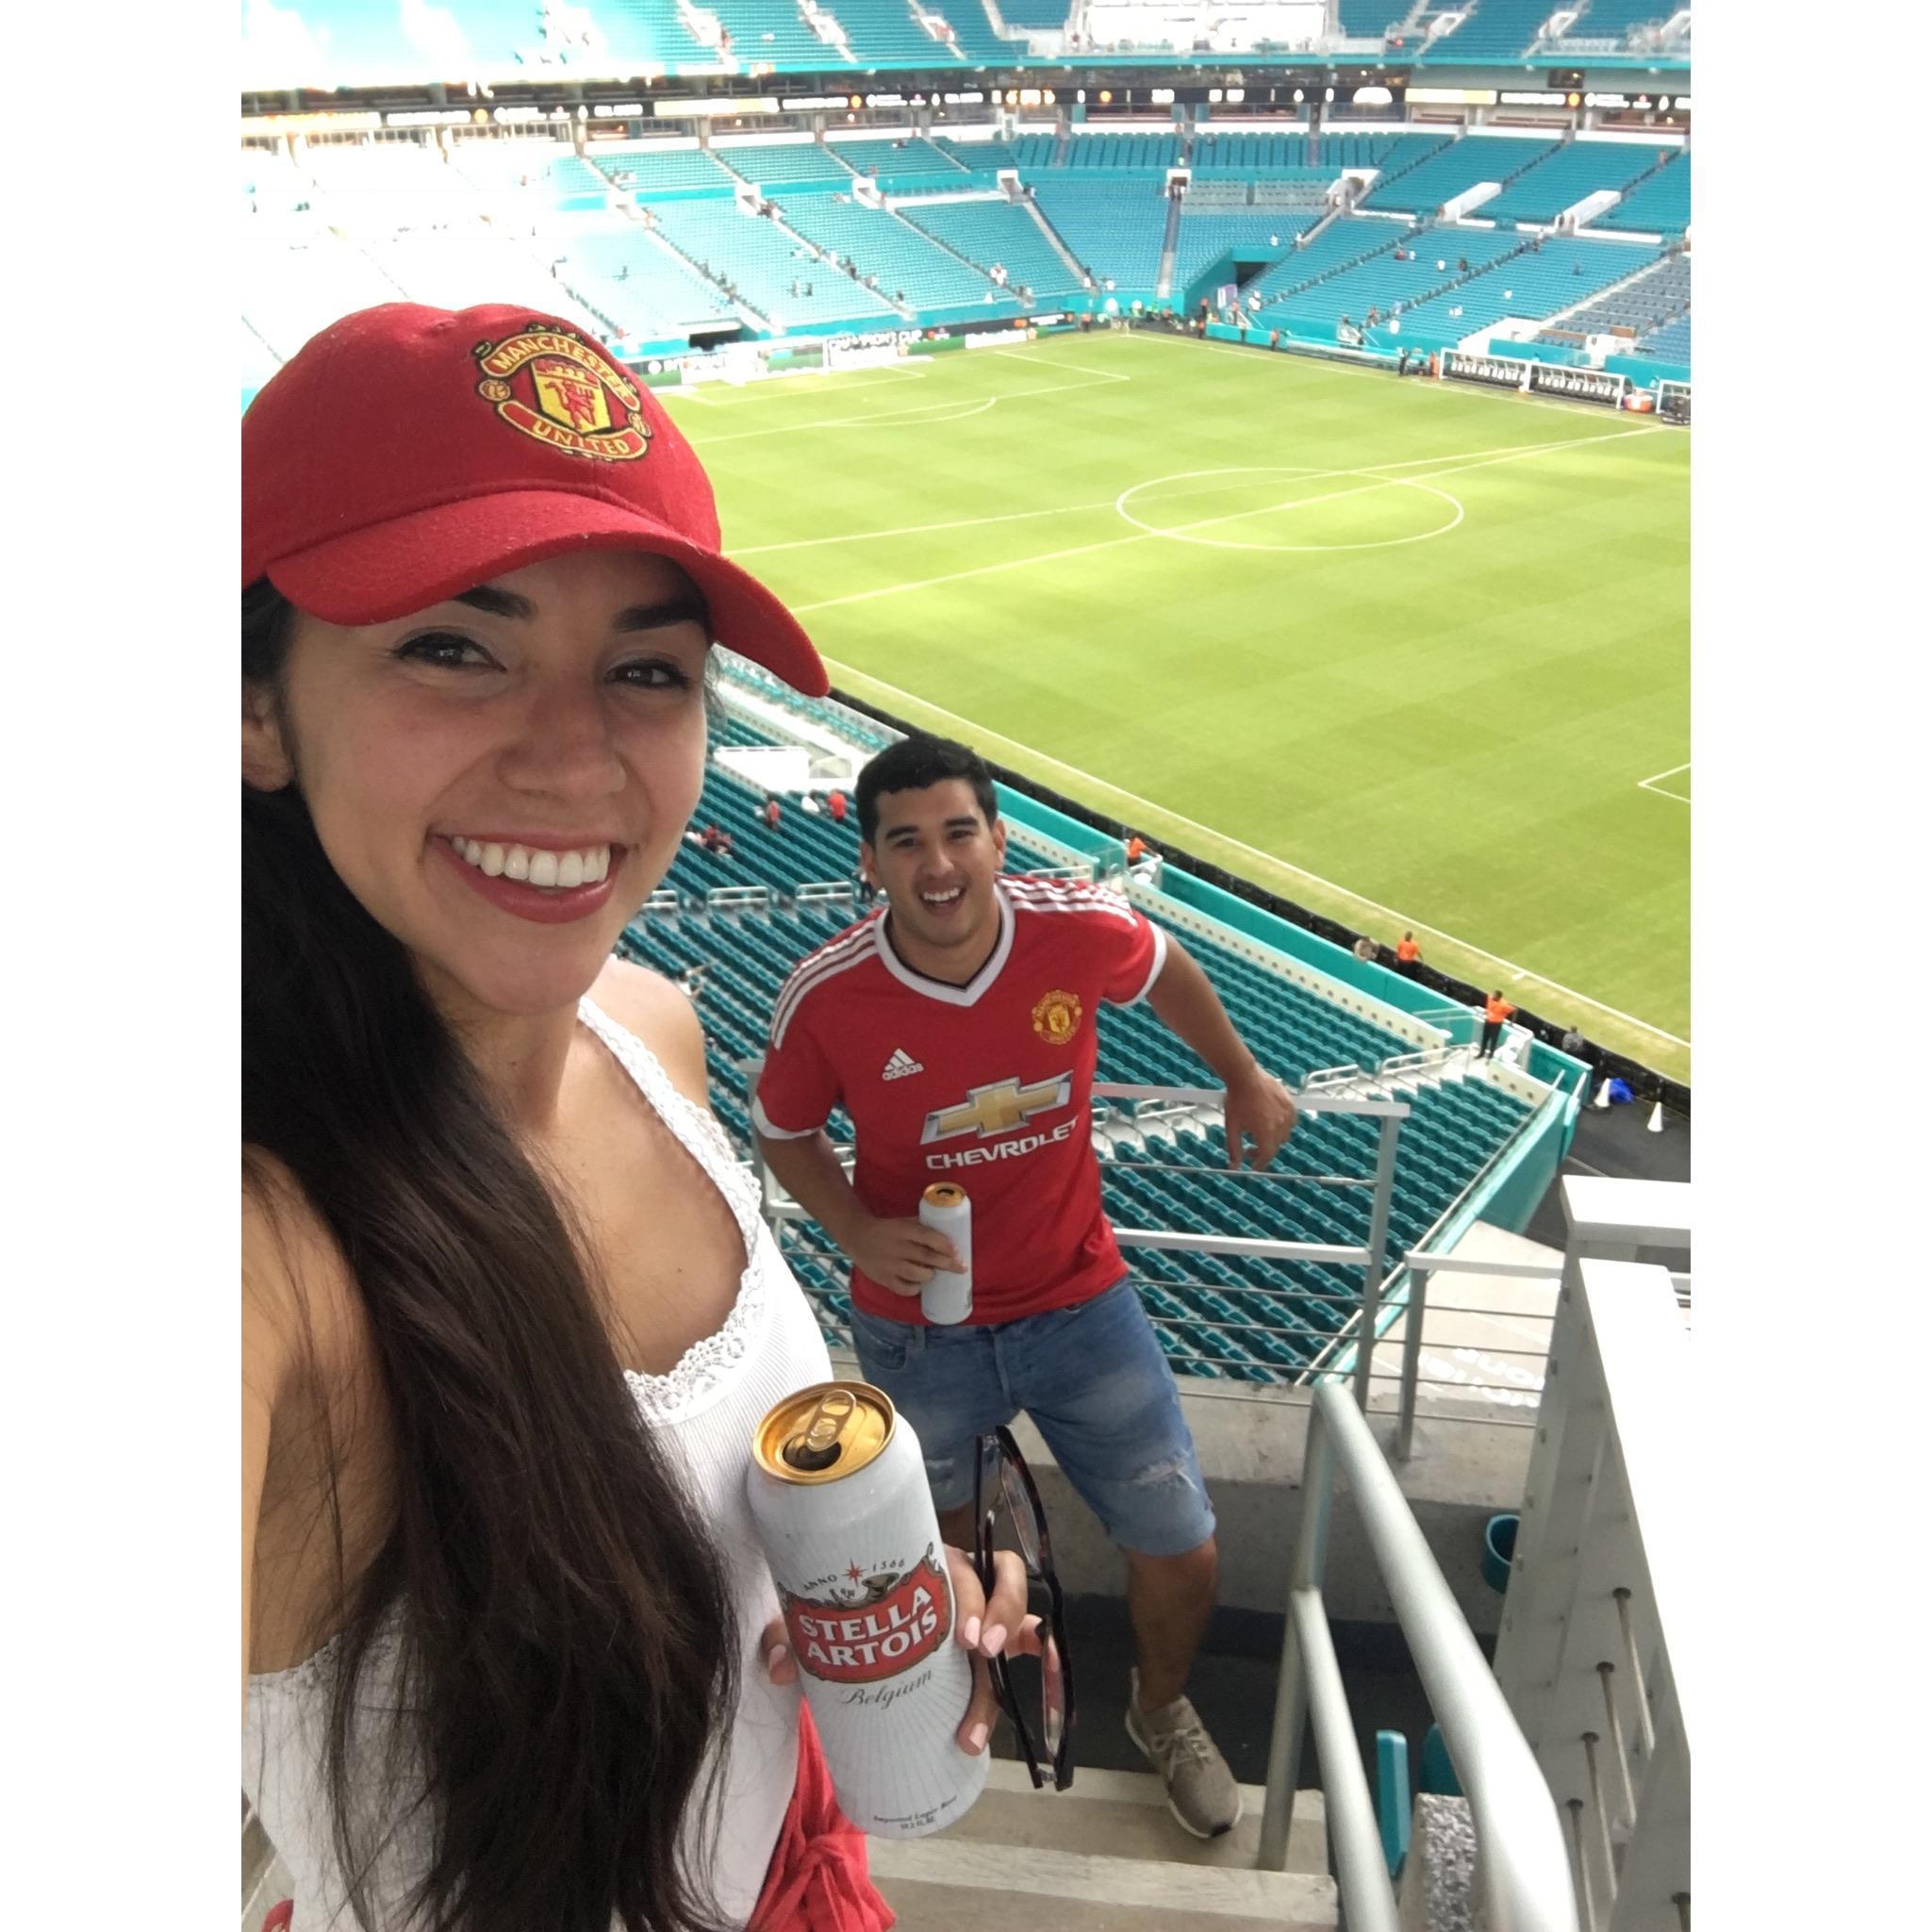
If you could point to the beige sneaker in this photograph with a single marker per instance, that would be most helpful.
(1201, 1791)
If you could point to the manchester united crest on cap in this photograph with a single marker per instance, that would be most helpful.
(557, 388)
(1056, 1017)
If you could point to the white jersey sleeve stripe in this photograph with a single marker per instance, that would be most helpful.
(820, 967)
(1050, 895)
(1160, 961)
(762, 1121)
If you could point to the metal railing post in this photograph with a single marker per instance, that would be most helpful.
(1377, 1251)
(1305, 1571)
(1412, 1359)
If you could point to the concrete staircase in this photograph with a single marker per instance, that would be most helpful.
(1104, 1856)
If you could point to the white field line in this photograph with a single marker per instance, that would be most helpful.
(1022, 756)
(1109, 503)
(1111, 375)
(763, 549)
(913, 416)
(803, 386)
(920, 416)
(1653, 783)
(1249, 355)
(1203, 523)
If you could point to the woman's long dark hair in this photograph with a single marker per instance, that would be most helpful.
(567, 1648)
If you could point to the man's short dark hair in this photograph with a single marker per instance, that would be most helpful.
(915, 763)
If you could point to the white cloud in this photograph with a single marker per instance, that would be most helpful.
(279, 49)
(434, 33)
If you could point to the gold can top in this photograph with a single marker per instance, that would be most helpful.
(945, 1193)
(823, 1432)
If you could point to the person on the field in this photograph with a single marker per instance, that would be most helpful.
(1496, 1009)
(1408, 954)
(957, 1027)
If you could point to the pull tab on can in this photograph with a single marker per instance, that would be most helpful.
(817, 1446)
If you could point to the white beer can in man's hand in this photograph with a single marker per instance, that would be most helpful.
(947, 1298)
(837, 1489)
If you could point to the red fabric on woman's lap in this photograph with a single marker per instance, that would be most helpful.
(817, 1880)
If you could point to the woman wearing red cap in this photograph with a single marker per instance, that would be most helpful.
(509, 1312)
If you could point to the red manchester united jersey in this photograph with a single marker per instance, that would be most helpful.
(984, 1085)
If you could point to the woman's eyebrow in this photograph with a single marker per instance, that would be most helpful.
(687, 607)
(495, 602)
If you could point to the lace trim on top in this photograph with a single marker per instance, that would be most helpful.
(706, 1365)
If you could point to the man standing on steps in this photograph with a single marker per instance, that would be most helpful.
(956, 1026)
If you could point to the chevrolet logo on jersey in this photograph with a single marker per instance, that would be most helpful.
(997, 1108)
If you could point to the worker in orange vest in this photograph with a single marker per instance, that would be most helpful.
(1407, 953)
(1496, 1009)
(1137, 849)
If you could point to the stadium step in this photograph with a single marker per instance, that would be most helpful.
(1648, 267)
(1104, 1856)
(1171, 240)
(1052, 235)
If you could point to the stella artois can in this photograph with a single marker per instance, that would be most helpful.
(947, 1298)
(837, 1489)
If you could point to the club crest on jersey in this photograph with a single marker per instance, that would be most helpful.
(997, 1108)
(559, 390)
(1056, 1017)
(889, 1624)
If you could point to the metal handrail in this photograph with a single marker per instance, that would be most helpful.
(1523, 1867)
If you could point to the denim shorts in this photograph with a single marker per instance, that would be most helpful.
(1098, 1389)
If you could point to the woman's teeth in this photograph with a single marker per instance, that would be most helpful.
(557, 871)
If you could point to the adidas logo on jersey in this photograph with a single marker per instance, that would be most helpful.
(900, 1065)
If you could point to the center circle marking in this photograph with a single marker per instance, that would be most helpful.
(1371, 476)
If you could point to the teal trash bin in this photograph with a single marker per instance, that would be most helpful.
(1498, 1548)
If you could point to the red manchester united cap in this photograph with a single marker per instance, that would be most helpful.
(408, 454)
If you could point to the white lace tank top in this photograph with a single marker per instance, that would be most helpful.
(702, 1411)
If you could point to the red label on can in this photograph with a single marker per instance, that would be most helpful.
(894, 1624)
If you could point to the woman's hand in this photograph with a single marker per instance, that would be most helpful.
(984, 1628)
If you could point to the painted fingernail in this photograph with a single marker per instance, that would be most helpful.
(972, 1632)
(977, 1737)
(994, 1640)
(775, 1657)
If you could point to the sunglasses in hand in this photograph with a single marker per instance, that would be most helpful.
(1041, 1713)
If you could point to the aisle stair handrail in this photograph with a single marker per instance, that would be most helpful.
(1523, 1869)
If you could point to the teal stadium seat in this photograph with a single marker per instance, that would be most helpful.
(1113, 224)
(1496, 30)
(1657, 205)
(989, 232)
(1453, 169)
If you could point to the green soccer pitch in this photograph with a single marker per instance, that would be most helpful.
(1411, 654)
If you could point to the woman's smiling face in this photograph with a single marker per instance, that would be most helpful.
(503, 779)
